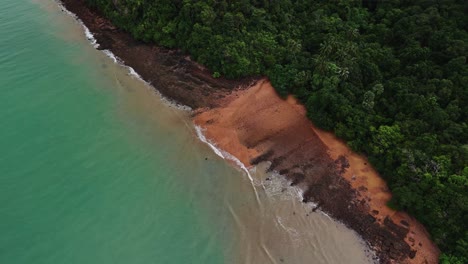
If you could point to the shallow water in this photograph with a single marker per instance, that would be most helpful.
(96, 168)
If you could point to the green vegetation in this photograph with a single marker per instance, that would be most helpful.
(389, 77)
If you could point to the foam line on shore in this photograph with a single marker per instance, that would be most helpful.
(87, 32)
(90, 37)
(227, 156)
(134, 74)
(111, 56)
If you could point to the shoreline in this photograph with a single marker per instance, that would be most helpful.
(256, 125)
(292, 145)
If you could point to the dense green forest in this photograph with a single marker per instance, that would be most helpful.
(389, 77)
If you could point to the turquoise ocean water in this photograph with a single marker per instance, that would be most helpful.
(96, 168)
(81, 178)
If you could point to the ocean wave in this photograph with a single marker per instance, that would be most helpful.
(112, 56)
(203, 139)
(135, 74)
(277, 183)
(227, 156)
(221, 153)
(89, 36)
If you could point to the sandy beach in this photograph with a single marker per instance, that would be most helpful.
(256, 124)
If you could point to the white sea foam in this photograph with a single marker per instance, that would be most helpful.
(111, 55)
(227, 156)
(278, 183)
(221, 153)
(172, 103)
(89, 35)
(134, 73)
(279, 187)
(62, 7)
(202, 137)
(87, 32)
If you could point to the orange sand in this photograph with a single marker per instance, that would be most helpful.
(248, 120)
(361, 174)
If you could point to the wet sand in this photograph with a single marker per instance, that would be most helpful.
(255, 125)
(283, 229)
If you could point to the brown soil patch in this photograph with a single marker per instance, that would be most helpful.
(374, 190)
